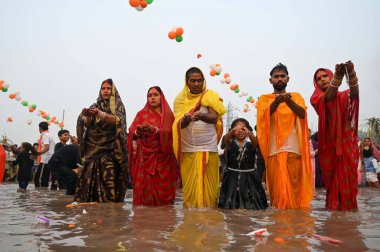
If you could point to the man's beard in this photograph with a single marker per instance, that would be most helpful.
(280, 87)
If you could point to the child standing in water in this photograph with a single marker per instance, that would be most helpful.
(241, 186)
(25, 163)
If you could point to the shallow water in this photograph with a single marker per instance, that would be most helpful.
(123, 227)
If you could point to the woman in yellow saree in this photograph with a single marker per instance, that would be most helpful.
(197, 129)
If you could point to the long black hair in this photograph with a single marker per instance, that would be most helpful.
(233, 125)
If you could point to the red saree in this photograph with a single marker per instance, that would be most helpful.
(153, 167)
(337, 146)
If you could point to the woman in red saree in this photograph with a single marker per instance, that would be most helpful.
(337, 133)
(150, 149)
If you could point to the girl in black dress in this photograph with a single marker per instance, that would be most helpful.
(25, 164)
(241, 186)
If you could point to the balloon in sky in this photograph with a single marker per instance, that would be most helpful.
(216, 69)
(176, 33)
(140, 5)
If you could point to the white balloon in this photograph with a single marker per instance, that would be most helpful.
(218, 69)
(222, 81)
(29, 122)
(212, 66)
(240, 95)
(228, 80)
(18, 98)
(17, 93)
(6, 85)
(139, 8)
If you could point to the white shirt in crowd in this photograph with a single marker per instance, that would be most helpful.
(47, 139)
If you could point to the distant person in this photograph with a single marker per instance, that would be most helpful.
(25, 163)
(64, 136)
(2, 162)
(63, 163)
(45, 151)
(371, 164)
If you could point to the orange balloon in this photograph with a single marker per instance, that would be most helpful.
(213, 72)
(226, 75)
(199, 55)
(134, 3)
(252, 100)
(232, 87)
(171, 35)
(12, 96)
(179, 31)
(245, 110)
(9, 119)
(31, 109)
(1, 84)
(143, 3)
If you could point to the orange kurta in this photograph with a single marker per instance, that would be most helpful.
(288, 186)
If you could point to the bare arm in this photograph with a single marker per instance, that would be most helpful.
(297, 109)
(274, 105)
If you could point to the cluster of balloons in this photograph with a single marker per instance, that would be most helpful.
(241, 94)
(226, 79)
(216, 69)
(4, 86)
(176, 33)
(235, 88)
(32, 107)
(17, 97)
(140, 5)
(250, 99)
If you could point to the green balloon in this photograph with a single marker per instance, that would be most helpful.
(217, 73)
(4, 89)
(47, 118)
(236, 90)
(179, 38)
(34, 106)
(149, 1)
(248, 99)
(24, 103)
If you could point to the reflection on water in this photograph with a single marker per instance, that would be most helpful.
(173, 228)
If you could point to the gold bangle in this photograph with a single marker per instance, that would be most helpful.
(353, 85)
(334, 85)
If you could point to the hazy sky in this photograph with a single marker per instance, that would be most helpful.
(57, 52)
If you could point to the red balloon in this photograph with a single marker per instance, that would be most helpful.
(134, 3)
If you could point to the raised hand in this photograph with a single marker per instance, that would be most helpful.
(339, 70)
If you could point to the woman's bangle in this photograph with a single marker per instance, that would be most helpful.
(156, 131)
(332, 85)
(354, 85)
(136, 133)
(101, 115)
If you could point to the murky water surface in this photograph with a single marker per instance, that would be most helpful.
(123, 227)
